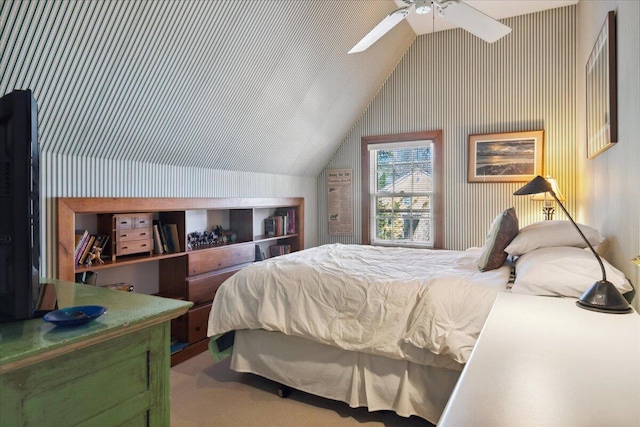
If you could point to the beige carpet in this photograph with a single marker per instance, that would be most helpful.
(208, 394)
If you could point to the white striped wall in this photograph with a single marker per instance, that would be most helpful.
(456, 82)
(263, 86)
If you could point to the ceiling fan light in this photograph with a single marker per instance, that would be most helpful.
(423, 7)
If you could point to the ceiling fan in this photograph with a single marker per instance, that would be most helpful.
(454, 11)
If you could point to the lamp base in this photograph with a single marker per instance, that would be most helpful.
(604, 297)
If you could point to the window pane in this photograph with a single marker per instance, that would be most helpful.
(402, 197)
(384, 179)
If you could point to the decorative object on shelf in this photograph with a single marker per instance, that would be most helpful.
(230, 235)
(603, 296)
(602, 90)
(505, 157)
(95, 256)
(548, 208)
(202, 239)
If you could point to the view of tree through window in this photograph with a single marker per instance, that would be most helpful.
(403, 194)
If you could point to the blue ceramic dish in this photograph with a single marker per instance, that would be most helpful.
(73, 316)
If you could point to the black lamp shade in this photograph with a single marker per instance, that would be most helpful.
(602, 296)
(535, 186)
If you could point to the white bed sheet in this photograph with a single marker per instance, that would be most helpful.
(425, 306)
(359, 379)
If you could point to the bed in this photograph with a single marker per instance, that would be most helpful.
(382, 327)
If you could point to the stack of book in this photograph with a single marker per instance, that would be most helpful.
(290, 219)
(165, 238)
(281, 223)
(277, 250)
(85, 243)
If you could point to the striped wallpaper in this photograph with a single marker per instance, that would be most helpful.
(458, 83)
(261, 86)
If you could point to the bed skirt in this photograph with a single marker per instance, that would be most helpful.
(359, 379)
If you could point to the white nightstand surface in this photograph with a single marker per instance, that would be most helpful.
(542, 361)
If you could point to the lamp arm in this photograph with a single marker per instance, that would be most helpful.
(595, 254)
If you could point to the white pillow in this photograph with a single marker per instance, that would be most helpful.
(551, 233)
(563, 271)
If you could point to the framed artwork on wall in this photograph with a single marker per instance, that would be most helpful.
(505, 157)
(602, 90)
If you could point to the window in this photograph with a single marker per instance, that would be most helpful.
(402, 189)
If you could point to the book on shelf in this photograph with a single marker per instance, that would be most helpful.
(157, 241)
(173, 241)
(87, 249)
(80, 247)
(277, 225)
(270, 226)
(81, 237)
(290, 215)
(92, 240)
(277, 250)
(163, 236)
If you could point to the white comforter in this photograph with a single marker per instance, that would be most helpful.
(425, 306)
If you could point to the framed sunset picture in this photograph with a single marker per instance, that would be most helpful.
(505, 157)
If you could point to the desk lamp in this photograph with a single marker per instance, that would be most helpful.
(602, 296)
(548, 209)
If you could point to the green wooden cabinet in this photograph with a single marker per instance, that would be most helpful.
(112, 371)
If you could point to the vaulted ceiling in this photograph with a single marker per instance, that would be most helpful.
(261, 86)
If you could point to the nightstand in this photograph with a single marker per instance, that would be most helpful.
(542, 361)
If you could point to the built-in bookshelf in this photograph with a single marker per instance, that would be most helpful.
(214, 238)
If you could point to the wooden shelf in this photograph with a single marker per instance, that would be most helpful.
(264, 238)
(132, 259)
(192, 275)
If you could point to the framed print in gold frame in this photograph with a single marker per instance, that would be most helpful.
(505, 157)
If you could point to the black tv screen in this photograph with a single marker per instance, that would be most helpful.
(19, 206)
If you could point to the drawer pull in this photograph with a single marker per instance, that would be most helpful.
(125, 247)
(197, 328)
(143, 234)
(144, 245)
(123, 235)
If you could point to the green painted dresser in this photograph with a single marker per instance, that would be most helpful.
(111, 371)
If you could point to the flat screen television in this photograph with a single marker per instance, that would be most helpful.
(19, 206)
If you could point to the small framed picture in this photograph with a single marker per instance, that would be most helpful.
(505, 157)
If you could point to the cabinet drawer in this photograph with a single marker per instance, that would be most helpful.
(192, 327)
(134, 247)
(215, 259)
(126, 222)
(133, 234)
(123, 222)
(142, 221)
(203, 288)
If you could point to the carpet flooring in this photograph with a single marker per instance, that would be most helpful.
(208, 394)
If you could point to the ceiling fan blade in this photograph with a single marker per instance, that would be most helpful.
(390, 21)
(474, 21)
